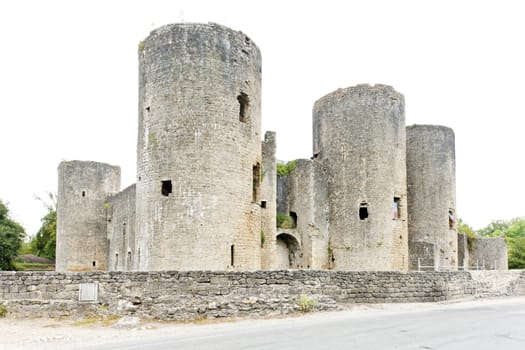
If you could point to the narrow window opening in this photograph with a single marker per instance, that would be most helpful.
(147, 109)
(363, 211)
(129, 258)
(94, 263)
(293, 215)
(397, 212)
(263, 204)
(124, 229)
(451, 220)
(232, 251)
(244, 102)
(83, 193)
(166, 188)
(116, 261)
(256, 182)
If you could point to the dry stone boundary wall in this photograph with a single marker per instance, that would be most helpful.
(207, 294)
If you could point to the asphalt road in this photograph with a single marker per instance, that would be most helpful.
(456, 326)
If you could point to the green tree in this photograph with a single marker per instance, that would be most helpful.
(285, 169)
(517, 253)
(11, 236)
(44, 242)
(465, 229)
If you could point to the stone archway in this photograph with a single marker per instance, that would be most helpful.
(288, 251)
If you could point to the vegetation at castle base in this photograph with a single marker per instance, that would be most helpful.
(514, 232)
(306, 303)
(3, 310)
(11, 237)
(285, 169)
(284, 221)
(44, 242)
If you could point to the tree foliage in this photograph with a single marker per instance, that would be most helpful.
(11, 237)
(44, 242)
(514, 232)
(465, 229)
(285, 169)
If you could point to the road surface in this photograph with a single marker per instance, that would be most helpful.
(479, 324)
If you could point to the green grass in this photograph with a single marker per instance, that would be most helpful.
(22, 266)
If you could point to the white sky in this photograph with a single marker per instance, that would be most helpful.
(69, 82)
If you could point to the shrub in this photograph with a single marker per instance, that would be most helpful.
(3, 311)
(306, 303)
(284, 221)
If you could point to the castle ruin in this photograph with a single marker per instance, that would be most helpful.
(375, 195)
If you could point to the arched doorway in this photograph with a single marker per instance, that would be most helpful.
(288, 250)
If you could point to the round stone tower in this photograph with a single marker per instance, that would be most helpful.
(83, 188)
(431, 177)
(359, 137)
(199, 150)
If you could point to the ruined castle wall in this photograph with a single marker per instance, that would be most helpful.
(463, 253)
(306, 200)
(282, 194)
(268, 201)
(359, 137)
(490, 253)
(300, 207)
(431, 178)
(120, 211)
(199, 149)
(81, 215)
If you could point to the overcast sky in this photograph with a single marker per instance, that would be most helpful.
(69, 82)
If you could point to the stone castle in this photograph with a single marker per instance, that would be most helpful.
(375, 195)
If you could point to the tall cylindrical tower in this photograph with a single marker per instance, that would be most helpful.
(83, 188)
(359, 137)
(431, 177)
(199, 149)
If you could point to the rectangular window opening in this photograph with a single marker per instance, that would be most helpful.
(94, 263)
(397, 212)
(451, 220)
(244, 102)
(363, 211)
(83, 193)
(129, 257)
(256, 182)
(293, 215)
(232, 252)
(166, 187)
(263, 204)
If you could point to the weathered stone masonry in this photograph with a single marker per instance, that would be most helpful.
(205, 294)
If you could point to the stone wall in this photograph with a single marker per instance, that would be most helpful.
(268, 200)
(488, 253)
(204, 294)
(120, 211)
(463, 253)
